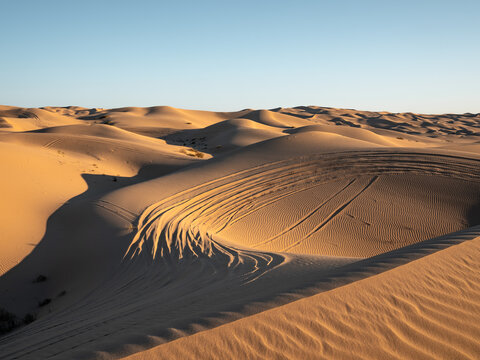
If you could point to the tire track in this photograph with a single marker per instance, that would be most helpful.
(177, 262)
(331, 216)
(51, 143)
(184, 227)
(303, 219)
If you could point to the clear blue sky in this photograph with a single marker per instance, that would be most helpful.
(421, 56)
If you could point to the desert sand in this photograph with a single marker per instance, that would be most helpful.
(289, 233)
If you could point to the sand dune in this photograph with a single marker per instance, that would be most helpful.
(425, 309)
(305, 232)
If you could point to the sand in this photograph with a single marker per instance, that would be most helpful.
(307, 232)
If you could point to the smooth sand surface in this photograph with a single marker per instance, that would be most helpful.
(307, 232)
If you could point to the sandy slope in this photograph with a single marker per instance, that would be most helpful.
(286, 233)
(425, 309)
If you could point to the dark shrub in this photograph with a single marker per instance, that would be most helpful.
(28, 318)
(40, 278)
(7, 321)
(44, 302)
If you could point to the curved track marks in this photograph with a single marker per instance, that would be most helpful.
(180, 276)
(187, 225)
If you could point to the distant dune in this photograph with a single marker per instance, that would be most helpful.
(289, 233)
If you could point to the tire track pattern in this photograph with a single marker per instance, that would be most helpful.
(177, 263)
(186, 225)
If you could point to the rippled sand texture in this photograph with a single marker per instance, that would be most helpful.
(308, 232)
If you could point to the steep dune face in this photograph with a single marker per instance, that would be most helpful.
(149, 225)
(29, 195)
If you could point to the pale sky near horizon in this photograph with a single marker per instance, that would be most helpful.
(419, 56)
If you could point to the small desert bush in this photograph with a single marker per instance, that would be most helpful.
(8, 321)
(40, 278)
(29, 318)
(44, 302)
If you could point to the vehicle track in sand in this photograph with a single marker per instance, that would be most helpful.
(185, 225)
(179, 263)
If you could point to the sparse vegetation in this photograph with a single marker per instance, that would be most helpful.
(193, 152)
(29, 318)
(8, 321)
(40, 278)
(44, 302)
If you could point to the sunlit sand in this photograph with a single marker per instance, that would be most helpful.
(307, 232)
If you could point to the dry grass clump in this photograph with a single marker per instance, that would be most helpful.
(193, 152)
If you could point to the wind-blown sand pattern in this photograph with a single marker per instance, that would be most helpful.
(308, 232)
